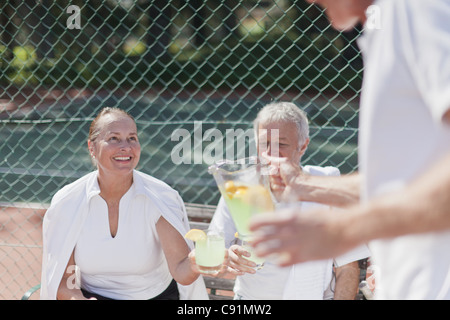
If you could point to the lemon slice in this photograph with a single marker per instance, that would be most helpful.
(241, 191)
(195, 235)
(259, 197)
(230, 187)
(231, 190)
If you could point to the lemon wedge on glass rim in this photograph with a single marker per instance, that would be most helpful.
(195, 235)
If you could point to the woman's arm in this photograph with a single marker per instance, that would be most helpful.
(181, 266)
(67, 289)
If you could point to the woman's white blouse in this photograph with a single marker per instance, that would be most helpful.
(130, 265)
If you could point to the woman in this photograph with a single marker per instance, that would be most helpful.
(122, 229)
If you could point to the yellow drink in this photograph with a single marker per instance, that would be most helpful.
(210, 253)
(245, 201)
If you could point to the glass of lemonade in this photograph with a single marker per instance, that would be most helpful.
(244, 186)
(210, 252)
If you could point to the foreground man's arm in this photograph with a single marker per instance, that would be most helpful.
(289, 183)
(338, 191)
(422, 206)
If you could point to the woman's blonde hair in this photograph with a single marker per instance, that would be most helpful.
(94, 130)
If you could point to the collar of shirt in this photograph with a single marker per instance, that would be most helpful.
(93, 188)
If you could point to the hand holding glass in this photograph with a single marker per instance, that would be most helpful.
(259, 261)
(209, 250)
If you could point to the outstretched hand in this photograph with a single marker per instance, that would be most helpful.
(293, 236)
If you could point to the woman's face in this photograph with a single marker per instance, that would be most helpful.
(116, 148)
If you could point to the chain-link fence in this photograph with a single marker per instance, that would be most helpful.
(173, 65)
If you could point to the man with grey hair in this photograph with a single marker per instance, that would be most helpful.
(282, 131)
(291, 145)
(286, 112)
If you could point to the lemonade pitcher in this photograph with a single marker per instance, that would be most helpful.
(244, 185)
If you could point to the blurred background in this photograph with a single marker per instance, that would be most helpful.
(171, 64)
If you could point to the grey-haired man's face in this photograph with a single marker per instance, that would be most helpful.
(280, 139)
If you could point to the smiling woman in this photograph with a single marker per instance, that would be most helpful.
(122, 229)
(115, 149)
(114, 145)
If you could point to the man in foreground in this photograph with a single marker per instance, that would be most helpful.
(403, 205)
